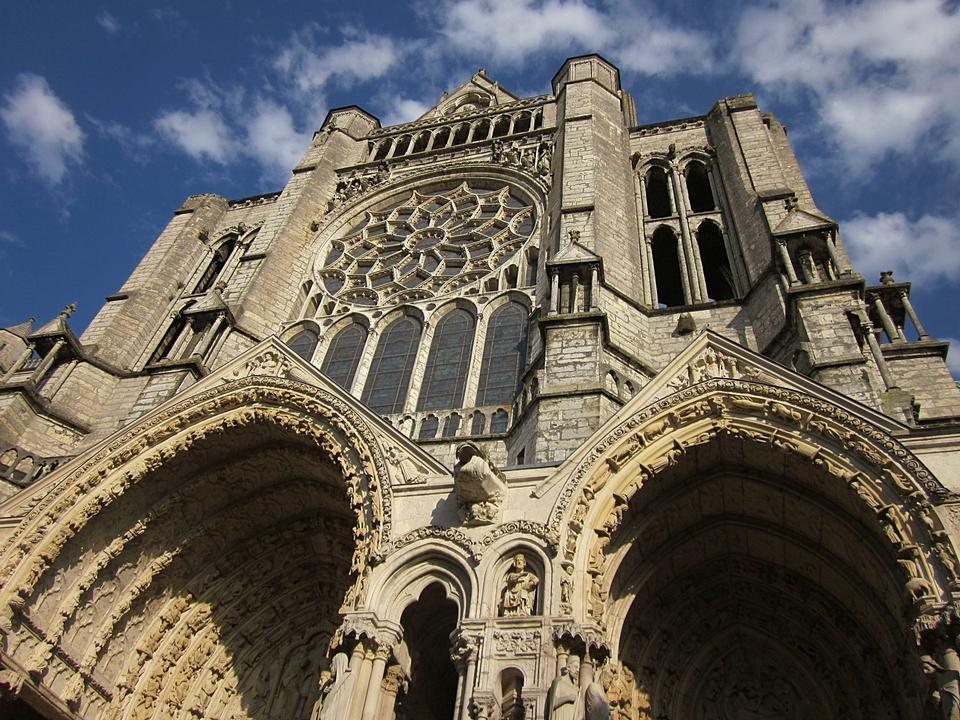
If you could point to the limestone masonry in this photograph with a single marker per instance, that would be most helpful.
(519, 410)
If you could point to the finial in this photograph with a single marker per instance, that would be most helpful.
(886, 277)
(67, 311)
(791, 203)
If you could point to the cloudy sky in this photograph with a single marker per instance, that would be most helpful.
(112, 113)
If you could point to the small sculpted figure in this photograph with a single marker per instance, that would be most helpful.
(520, 591)
(479, 486)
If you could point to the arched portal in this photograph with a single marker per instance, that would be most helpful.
(427, 625)
(200, 563)
(755, 552)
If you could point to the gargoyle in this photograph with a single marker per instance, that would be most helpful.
(479, 485)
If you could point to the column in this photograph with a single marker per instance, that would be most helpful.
(464, 656)
(807, 267)
(371, 702)
(47, 361)
(575, 293)
(651, 272)
(356, 670)
(886, 320)
(555, 290)
(695, 288)
(594, 287)
(392, 682)
(878, 355)
(914, 318)
(787, 262)
(835, 256)
(24, 356)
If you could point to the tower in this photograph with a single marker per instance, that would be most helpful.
(514, 404)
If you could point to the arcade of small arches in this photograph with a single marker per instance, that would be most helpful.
(462, 357)
(687, 255)
(456, 134)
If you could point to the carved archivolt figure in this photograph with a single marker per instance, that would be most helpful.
(479, 485)
(333, 704)
(563, 700)
(520, 589)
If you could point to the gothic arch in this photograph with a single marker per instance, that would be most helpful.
(164, 569)
(749, 509)
(409, 571)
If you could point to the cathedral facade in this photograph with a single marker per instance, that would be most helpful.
(519, 410)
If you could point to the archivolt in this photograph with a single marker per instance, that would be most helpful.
(153, 627)
(888, 481)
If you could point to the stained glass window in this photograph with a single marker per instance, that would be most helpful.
(427, 244)
(304, 343)
(389, 378)
(504, 355)
(445, 377)
(343, 355)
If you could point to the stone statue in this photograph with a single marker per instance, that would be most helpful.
(333, 704)
(479, 486)
(520, 591)
(595, 703)
(563, 699)
(946, 681)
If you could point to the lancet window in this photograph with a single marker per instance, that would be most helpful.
(216, 264)
(389, 378)
(445, 377)
(343, 356)
(304, 343)
(667, 269)
(504, 355)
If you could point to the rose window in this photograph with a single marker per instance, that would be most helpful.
(426, 244)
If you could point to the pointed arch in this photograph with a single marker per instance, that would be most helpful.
(177, 558)
(757, 513)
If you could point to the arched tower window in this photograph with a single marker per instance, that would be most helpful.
(216, 264)
(389, 378)
(343, 356)
(666, 267)
(304, 343)
(504, 355)
(698, 188)
(445, 377)
(658, 193)
(716, 264)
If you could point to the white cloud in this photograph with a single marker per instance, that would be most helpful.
(108, 22)
(42, 128)
(953, 356)
(509, 30)
(201, 134)
(884, 73)
(924, 250)
(403, 110)
(636, 37)
(272, 139)
(362, 58)
(8, 238)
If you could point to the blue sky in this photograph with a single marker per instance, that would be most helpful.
(112, 113)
